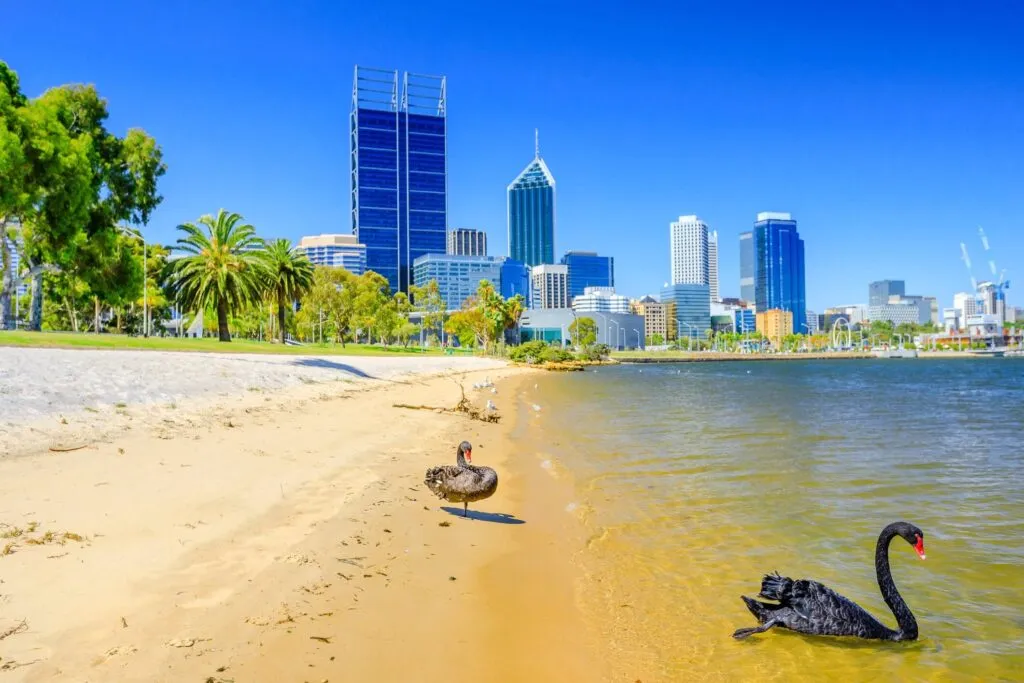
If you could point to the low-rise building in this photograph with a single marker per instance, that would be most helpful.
(691, 309)
(656, 317)
(336, 251)
(774, 324)
(600, 299)
(551, 325)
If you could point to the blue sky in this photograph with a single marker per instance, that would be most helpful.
(891, 131)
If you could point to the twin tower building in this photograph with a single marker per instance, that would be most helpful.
(398, 132)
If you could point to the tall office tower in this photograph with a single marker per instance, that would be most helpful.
(531, 213)
(747, 266)
(880, 291)
(713, 266)
(340, 251)
(399, 169)
(689, 251)
(467, 242)
(779, 267)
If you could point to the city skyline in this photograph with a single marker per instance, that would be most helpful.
(268, 144)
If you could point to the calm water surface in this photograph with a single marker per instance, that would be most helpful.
(695, 479)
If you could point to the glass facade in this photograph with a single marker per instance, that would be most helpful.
(457, 276)
(399, 170)
(691, 305)
(880, 291)
(745, 320)
(338, 251)
(747, 267)
(531, 215)
(587, 269)
(515, 279)
(779, 267)
(467, 242)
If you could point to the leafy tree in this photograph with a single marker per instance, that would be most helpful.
(583, 331)
(656, 339)
(466, 325)
(429, 300)
(514, 308)
(222, 268)
(106, 179)
(290, 275)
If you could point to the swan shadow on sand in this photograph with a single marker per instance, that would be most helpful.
(496, 517)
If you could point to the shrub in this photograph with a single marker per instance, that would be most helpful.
(595, 352)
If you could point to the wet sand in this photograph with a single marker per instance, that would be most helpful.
(289, 537)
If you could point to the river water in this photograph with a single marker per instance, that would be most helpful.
(693, 480)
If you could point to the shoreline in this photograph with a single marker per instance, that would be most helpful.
(714, 357)
(290, 537)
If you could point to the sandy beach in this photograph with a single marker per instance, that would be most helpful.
(273, 525)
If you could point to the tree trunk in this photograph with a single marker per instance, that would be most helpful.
(222, 320)
(35, 319)
(280, 315)
(7, 285)
(96, 314)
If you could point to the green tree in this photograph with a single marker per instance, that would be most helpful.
(105, 178)
(583, 332)
(223, 267)
(515, 306)
(290, 275)
(656, 339)
(429, 300)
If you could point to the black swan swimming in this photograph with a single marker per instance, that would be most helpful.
(809, 607)
(463, 482)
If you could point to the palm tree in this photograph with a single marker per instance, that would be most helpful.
(223, 268)
(289, 276)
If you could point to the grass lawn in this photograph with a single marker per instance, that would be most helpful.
(75, 340)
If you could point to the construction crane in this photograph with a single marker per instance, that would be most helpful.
(1002, 283)
(979, 303)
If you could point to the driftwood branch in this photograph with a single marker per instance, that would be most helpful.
(463, 407)
(14, 630)
(60, 449)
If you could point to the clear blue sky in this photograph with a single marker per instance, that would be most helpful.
(890, 131)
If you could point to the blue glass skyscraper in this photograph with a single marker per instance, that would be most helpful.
(399, 170)
(587, 269)
(779, 267)
(531, 214)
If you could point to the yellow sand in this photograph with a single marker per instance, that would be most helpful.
(290, 538)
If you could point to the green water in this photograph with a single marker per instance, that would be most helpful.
(692, 480)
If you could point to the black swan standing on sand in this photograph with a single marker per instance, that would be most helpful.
(463, 482)
(809, 607)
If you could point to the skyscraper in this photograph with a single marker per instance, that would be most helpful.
(747, 266)
(880, 291)
(467, 242)
(587, 269)
(531, 213)
(399, 169)
(689, 252)
(779, 267)
(713, 265)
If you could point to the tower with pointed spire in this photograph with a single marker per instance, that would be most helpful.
(531, 212)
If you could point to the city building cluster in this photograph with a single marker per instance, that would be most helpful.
(398, 131)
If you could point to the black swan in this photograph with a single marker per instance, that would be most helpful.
(809, 607)
(463, 482)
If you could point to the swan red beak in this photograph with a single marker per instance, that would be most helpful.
(920, 547)
(469, 456)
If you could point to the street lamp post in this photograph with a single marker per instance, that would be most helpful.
(618, 329)
(689, 337)
(637, 337)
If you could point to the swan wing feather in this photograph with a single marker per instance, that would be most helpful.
(817, 609)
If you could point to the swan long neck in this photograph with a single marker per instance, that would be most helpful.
(904, 617)
(460, 458)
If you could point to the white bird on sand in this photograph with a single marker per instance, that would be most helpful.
(536, 407)
(493, 390)
(490, 405)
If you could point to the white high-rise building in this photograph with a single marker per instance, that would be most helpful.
(967, 304)
(689, 250)
(549, 286)
(713, 266)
